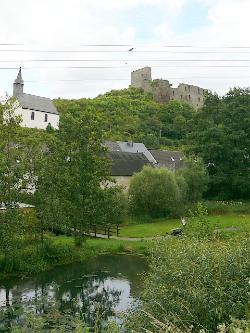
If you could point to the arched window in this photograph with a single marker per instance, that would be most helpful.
(32, 117)
(46, 118)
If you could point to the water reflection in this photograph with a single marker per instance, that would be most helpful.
(100, 288)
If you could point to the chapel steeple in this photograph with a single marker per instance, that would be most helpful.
(18, 84)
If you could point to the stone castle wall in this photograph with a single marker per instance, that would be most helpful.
(162, 90)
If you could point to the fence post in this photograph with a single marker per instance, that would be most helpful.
(117, 230)
(108, 232)
(95, 230)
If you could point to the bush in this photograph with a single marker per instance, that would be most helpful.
(154, 192)
(194, 283)
(196, 177)
(228, 207)
(198, 225)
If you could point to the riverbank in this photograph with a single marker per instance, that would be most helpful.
(61, 250)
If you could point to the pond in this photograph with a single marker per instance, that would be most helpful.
(102, 287)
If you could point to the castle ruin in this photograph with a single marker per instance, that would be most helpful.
(162, 90)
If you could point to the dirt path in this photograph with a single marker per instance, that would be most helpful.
(133, 239)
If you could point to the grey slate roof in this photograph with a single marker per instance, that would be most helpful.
(130, 147)
(112, 145)
(126, 164)
(36, 103)
(168, 158)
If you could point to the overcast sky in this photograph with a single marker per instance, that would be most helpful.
(201, 31)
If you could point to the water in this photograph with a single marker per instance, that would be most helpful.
(102, 287)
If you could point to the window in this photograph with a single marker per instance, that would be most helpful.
(32, 115)
(199, 99)
(189, 97)
(173, 92)
(46, 118)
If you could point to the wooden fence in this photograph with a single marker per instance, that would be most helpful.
(109, 231)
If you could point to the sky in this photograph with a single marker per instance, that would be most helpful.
(80, 48)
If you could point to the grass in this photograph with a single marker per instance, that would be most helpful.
(161, 227)
(97, 246)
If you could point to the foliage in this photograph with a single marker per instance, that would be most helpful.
(218, 133)
(154, 192)
(11, 235)
(112, 206)
(195, 283)
(69, 192)
(221, 137)
(199, 225)
(196, 178)
(131, 114)
(227, 207)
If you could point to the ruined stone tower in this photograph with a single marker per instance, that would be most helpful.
(162, 90)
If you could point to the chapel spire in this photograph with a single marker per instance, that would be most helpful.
(18, 84)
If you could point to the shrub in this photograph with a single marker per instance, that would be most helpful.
(198, 225)
(154, 192)
(196, 177)
(194, 283)
(228, 207)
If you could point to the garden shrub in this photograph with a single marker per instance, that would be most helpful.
(154, 192)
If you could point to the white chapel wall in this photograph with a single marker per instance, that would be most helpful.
(39, 118)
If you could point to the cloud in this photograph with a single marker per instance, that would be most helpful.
(67, 25)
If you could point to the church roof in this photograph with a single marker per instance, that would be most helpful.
(36, 103)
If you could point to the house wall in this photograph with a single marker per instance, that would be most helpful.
(39, 119)
(123, 181)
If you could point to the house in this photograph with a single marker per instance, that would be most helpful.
(169, 159)
(130, 147)
(35, 111)
(124, 165)
(128, 157)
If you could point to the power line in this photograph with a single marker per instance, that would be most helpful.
(117, 79)
(123, 60)
(156, 45)
(128, 67)
(123, 51)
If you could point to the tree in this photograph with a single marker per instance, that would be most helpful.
(221, 137)
(154, 192)
(13, 179)
(69, 184)
(196, 178)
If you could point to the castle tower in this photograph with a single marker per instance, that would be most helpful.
(141, 78)
(18, 84)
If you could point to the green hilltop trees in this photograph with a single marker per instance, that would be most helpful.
(221, 136)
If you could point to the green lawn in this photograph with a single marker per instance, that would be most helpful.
(100, 246)
(163, 226)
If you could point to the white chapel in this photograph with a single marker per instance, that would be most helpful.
(35, 111)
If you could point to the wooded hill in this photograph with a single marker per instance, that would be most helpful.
(219, 132)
